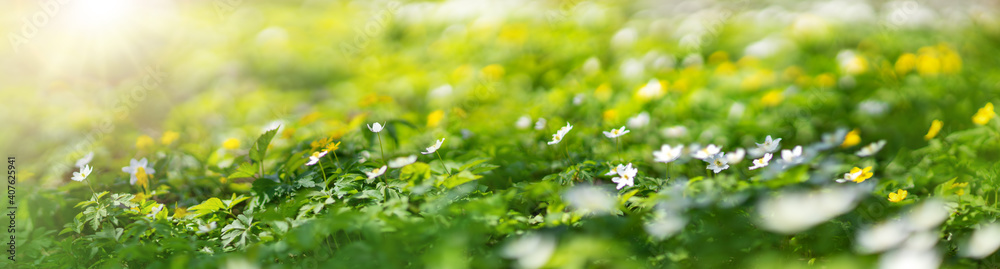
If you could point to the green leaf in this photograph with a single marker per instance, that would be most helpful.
(245, 170)
(211, 205)
(458, 179)
(259, 148)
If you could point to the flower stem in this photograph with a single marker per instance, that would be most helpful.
(442, 163)
(92, 192)
(380, 148)
(566, 148)
(619, 148)
(322, 170)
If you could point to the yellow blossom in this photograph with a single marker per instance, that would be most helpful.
(898, 196)
(865, 174)
(323, 142)
(141, 178)
(935, 128)
(718, 57)
(725, 69)
(960, 192)
(139, 197)
(180, 212)
(610, 115)
(143, 142)
(231, 143)
(288, 132)
(332, 146)
(851, 139)
(959, 185)
(825, 80)
(984, 115)
(169, 137)
(434, 118)
(603, 92)
(223, 180)
(928, 63)
(311, 117)
(905, 63)
(493, 72)
(772, 98)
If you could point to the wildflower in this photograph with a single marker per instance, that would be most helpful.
(674, 131)
(590, 199)
(180, 212)
(559, 135)
(531, 250)
(155, 210)
(137, 166)
(375, 128)
(314, 158)
(790, 212)
(402, 161)
(143, 142)
(84, 172)
(652, 89)
(984, 115)
(857, 175)
(169, 137)
(882, 236)
(664, 224)
(320, 143)
(540, 124)
(434, 119)
(231, 143)
(85, 160)
(772, 98)
(332, 147)
(207, 228)
(871, 149)
(852, 138)
(523, 122)
(639, 121)
(762, 162)
(717, 162)
(667, 154)
(435, 147)
(793, 156)
(736, 156)
(897, 196)
(873, 107)
(983, 242)
(933, 131)
(830, 140)
(707, 151)
(578, 99)
(364, 156)
(625, 175)
(615, 133)
(376, 172)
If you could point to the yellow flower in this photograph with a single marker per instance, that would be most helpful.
(772, 98)
(610, 115)
(332, 146)
(493, 72)
(984, 115)
(169, 137)
(139, 197)
(905, 63)
(143, 142)
(718, 57)
(434, 119)
(960, 192)
(865, 174)
(898, 196)
(323, 142)
(288, 132)
(180, 212)
(223, 180)
(311, 117)
(935, 128)
(231, 143)
(725, 69)
(928, 64)
(141, 178)
(853, 138)
(603, 92)
(959, 185)
(825, 80)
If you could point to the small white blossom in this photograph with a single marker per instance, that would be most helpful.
(207, 228)
(155, 210)
(615, 133)
(83, 174)
(668, 154)
(376, 172)
(871, 149)
(556, 138)
(133, 167)
(762, 162)
(983, 242)
(375, 128)
(402, 161)
(531, 250)
(85, 160)
(652, 89)
(435, 147)
(793, 156)
(674, 131)
(639, 121)
(590, 199)
(769, 145)
(706, 152)
(540, 124)
(717, 162)
(523, 122)
(736, 156)
(625, 176)
(315, 157)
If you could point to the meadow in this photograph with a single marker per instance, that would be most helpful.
(499, 134)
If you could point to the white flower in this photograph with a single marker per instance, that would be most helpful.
(652, 89)
(983, 242)
(207, 228)
(793, 156)
(376, 172)
(873, 107)
(908, 258)
(736, 157)
(85, 160)
(769, 145)
(639, 121)
(578, 99)
(592, 66)
(365, 155)
(531, 250)
(762, 162)
(402, 161)
(523, 122)
(375, 128)
(134, 165)
(706, 152)
(614, 170)
(626, 176)
(928, 215)
(561, 134)
(590, 199)
(882, 237)
(717, 162)
(540, 124)
(664, 224)
(435, 147)
(155, 210)
(84, 172)
(667, 154)
(871, 149)
(615, 133)
(792, 212)
(674, 131)
(314, 158)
